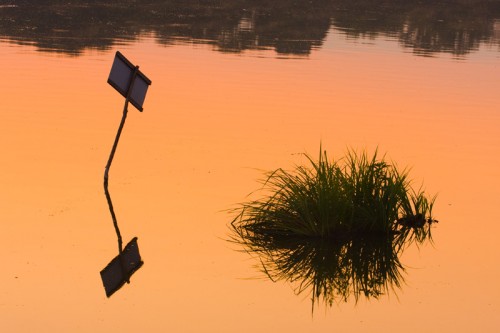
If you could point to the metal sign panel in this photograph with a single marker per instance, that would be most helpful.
(120, 79)
(121, 268)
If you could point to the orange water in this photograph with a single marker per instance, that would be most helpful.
(211, 123)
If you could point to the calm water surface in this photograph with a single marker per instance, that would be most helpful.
(215, 117)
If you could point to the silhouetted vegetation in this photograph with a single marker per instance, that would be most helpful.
(335, 228)
(289, 27)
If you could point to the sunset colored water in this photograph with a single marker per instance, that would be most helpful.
(213, 122)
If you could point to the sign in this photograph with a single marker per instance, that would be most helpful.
(133, 85)
(120, 78)
(121, 268)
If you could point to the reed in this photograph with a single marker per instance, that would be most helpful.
(335, 227)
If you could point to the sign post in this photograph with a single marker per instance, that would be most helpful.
(132, 84)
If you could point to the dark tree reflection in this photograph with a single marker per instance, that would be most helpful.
(287, 27)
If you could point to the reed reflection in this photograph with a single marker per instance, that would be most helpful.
(290, 28)
(336, 228)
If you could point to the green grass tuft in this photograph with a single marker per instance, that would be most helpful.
(335, 227)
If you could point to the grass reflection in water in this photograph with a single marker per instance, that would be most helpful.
(335, 228)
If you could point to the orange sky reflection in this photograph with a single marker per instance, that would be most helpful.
(211, 121)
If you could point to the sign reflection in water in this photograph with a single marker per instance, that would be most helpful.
(132, 84)
(336, 228)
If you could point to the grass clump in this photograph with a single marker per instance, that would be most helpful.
(335, 227)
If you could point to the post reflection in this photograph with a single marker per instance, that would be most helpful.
(335, 229)
(125, 78)
(120, 269)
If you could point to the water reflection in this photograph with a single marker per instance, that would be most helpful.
(336, 228)
(125, 78)
(333, 269)
(120, 269)
(290, 28)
